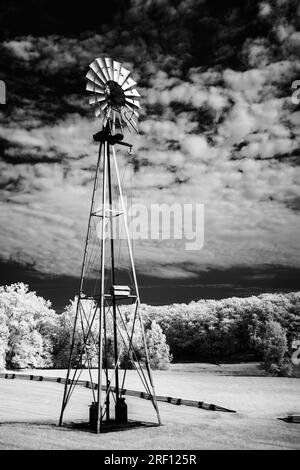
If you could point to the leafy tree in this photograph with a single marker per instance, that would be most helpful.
(4, 333)
(82, 355)
(27, 326)
(275, 349)
(63, 337)
(158, 349)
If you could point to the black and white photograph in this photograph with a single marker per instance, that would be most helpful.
(149, 228)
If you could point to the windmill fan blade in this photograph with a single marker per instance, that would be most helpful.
(130, 123)
(99, 110)
(97, 69)
(102, 66)
(124, 74)
(117, 70)
(128, 84)
(131, 126)
(134, 124)
(100, 93)
(131, 111)
(96, 99)
(90, 86)
(131, 102)
(133, 92)
(93, 77)
(109, 67)
(128, 116)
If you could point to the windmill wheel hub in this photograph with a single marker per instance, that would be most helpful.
(115, 94)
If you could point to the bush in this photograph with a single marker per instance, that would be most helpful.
(275, 348)
(158, 349)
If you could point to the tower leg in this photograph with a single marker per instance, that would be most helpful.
(65, 395)
(136, 285)
(113, 278)
(102, 307)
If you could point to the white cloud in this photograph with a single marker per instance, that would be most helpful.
(267, 147)
(265, 9)
(196, 147)
(23, 49)
(239, 123)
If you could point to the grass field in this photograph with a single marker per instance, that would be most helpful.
(29, 412)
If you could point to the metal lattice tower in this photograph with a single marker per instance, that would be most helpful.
(102, 303)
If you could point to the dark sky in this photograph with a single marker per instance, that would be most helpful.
(217, 127)
(212, 284)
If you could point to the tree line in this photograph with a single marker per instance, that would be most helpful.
(260, 328)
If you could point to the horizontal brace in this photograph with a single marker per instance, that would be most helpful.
(117, 297)
(89, 297)
(107, 297)
(95, 214)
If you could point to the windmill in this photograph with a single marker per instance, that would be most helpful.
(99, 304)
